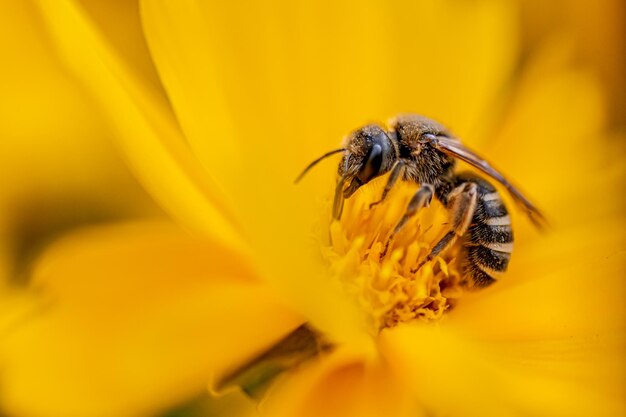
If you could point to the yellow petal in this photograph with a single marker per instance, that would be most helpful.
(134, 319)
(455, 375)
(55, 149)
(149, 134)
(554, 142)
(596, 33)
(294, 79)
(179, 37)
(343, 384)
(297, 77)
(17, 307)
(45, 121)
(157, 152)
(558, 249)
(584, 299)
(119, 24)
(568, 325)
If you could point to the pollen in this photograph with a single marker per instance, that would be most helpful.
(382, 275)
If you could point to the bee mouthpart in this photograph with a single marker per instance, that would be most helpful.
(351, 189)
(338, 201)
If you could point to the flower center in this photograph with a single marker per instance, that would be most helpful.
(382, 275)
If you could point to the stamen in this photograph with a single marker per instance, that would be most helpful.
(381, 274)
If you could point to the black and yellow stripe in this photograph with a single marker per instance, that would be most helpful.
(489, 240)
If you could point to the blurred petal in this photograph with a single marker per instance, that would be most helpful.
(557, 124)
(136, 319)
(566, 326)
(456, 376)
(268, 64)
(16, 308)
(596, 29)
(295, 77)
(119, 23)
(178, 36)
(58, 166)
(343, 384)
(53, 140)
(150, 136)
(555, 250)
(209, 56)
(584, 299)
(157, 152)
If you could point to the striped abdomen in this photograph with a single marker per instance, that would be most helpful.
(489, 240)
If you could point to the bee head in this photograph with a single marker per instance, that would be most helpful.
(370, 153)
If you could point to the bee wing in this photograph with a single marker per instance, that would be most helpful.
(455, 148)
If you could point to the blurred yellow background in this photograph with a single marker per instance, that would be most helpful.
(59, 167)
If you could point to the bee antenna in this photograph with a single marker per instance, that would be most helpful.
(312, 164)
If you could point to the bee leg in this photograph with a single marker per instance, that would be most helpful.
(396, 172)
(420, 199)
(462, 204)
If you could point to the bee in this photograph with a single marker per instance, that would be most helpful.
(418, 149)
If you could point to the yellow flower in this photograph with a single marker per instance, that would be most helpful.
(238, 102)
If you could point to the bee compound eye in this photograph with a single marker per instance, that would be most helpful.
(373, 162)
